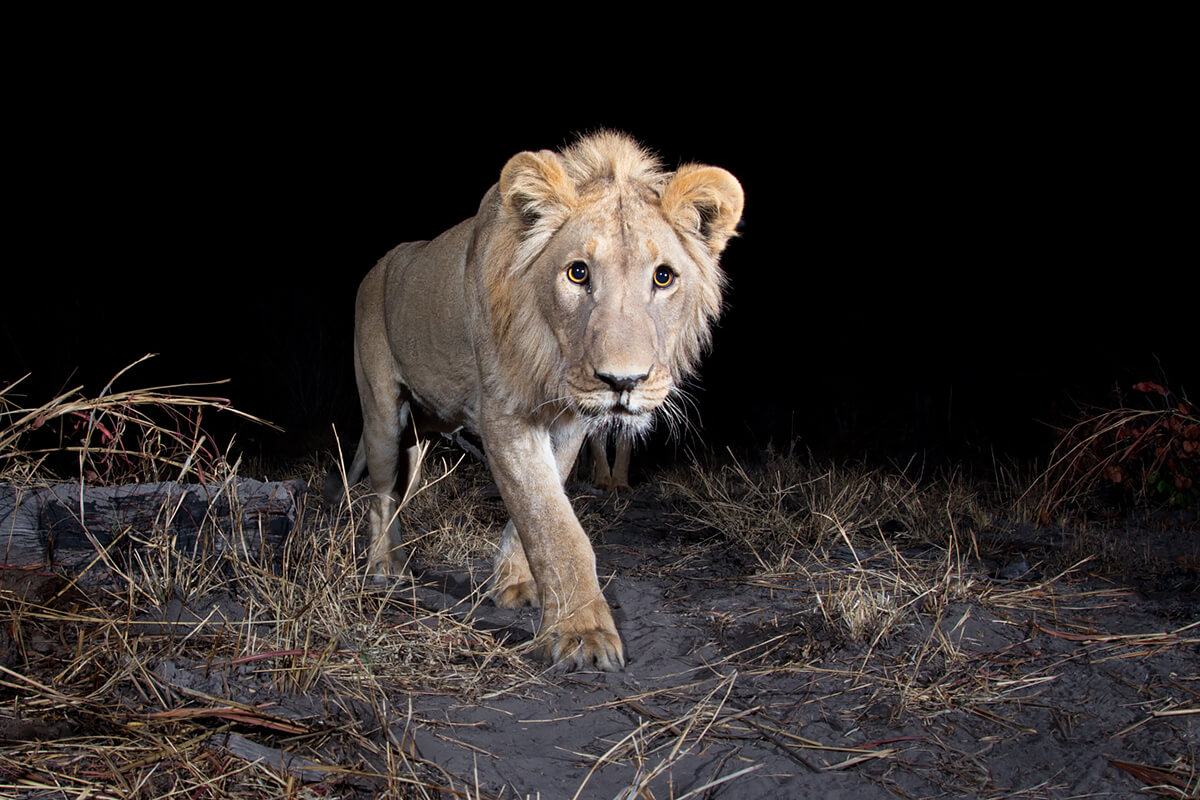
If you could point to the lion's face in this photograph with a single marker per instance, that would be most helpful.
(617, 286)
(609, 281)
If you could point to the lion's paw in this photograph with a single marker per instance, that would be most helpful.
(516, 595)
(587, 639)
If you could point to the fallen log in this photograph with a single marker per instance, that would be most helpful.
(37, 524)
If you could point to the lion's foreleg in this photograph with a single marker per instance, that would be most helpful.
(577, 625)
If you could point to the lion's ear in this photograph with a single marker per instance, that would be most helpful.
(706, 200)
(535, 186)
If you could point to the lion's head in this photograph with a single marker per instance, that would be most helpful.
(603, 279)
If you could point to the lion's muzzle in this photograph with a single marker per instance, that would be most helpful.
(622, 384)
(624, 401)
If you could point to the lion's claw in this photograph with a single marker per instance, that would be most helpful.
(593, 650)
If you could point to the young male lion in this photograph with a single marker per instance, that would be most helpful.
(573, 302)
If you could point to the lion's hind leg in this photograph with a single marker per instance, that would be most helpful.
(602, 477)
(620, 470)
(616, 477)
(383, 432)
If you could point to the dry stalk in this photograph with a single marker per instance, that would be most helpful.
(116, 437)
(648, 738)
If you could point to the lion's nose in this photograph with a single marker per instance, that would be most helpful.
(622, 383)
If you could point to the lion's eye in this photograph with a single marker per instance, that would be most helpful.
(664, 276)
(577, 272)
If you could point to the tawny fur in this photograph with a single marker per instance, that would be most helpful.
(487, 327)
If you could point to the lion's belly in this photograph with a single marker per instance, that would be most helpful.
(443, 413)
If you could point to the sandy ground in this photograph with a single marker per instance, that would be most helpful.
(739, 678)
(742, 684)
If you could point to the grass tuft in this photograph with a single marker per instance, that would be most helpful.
(1146, 450)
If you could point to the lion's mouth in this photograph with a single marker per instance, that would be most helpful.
(622, 407)
(625, 405)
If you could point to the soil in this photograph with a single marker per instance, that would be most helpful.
(1054, 682)
(1023, 682)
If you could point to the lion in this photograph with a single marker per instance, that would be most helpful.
(573, 302)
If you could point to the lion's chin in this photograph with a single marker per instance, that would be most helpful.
(605, 409)
(624, 412)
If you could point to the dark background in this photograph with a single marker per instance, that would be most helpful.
(944, 251)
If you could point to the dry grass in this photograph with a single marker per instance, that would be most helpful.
(454, 516)
(1150, 453)
(892, 567)
(140, 676)
(837, 528)
(845, 535)
(158, 660)
(116, 437)
(790, 507)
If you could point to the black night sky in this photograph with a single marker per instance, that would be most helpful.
(936, 257)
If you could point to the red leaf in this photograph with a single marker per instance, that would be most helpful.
(1149, 386)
